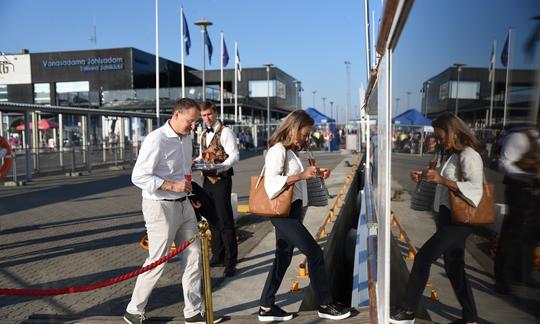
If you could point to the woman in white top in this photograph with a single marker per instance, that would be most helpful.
(283, 168)
(461, 171)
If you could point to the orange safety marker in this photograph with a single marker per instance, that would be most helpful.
(323, 233)
(294, 287)
(410, 254)
(434, 296)
(401, 237)
(302, 273)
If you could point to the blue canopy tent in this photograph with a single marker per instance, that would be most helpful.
(411, 117)
(321, 118)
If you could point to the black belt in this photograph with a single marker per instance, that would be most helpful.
(179, 199)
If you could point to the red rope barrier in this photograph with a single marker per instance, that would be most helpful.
(101, 284)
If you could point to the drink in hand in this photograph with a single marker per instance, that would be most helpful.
(189, 179)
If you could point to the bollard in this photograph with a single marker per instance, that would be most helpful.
(203, 227)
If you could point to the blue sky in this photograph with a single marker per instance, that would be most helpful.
(310, 40)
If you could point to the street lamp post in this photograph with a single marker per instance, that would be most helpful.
(397, 104)
(314, 92)
(324, 104)
(458, 66)
(348, 107)
(427, 96)
(332, 109)
(268, 66)
(203, 23)
(296, 86)
(408, 93)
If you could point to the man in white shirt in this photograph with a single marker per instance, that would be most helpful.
(218, 145)
(163, 162)
(520, 231)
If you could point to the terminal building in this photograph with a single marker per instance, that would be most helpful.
(473, 99)
(124, 79)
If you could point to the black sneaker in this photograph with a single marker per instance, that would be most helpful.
(334, 312)
(274, 314)
(200, 319)
(134, 318)
(460, 321)
(402, 317)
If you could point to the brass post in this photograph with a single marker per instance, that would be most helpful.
(203, 227)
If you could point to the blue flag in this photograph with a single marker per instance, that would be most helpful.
(187, 39)
(225, 58)
(208, 44)
(504, 54)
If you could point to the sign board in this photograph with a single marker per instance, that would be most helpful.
(15, 69)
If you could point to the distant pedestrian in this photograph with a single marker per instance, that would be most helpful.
(461, 171)
(163, 161)
(283, 167)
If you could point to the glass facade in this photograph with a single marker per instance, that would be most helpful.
(259, 88)
(42, 94)
(3, 92)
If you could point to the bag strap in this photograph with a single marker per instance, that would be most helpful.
(264, 168)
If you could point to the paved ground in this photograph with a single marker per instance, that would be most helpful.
(522, 307)
(59, 232)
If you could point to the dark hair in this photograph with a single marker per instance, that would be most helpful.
(184, 104)
(208, 105)
(458, 134)
(289, 128)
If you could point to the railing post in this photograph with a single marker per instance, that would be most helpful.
(203, 227)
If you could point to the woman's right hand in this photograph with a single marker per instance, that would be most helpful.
(309, 173)
(416, 176)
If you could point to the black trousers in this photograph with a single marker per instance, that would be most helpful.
(224, 245)
(519, 234)
(290, 232)
(448, 240)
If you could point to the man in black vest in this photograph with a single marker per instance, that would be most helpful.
(218, 145)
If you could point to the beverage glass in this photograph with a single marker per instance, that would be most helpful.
(432, 165)
(311, 162)
(189, 179)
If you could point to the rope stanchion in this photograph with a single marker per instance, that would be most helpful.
(101, 284)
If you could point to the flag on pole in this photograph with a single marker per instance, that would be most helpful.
(504, 54)
(492, 63)
(225, 58)
(238, 65)
(187, 39)
(208, 44)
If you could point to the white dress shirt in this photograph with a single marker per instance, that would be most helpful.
(515, 145)
(467, 170)
(164, 155)
(275, 180)
(228, 141)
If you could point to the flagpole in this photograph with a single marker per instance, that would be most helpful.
(493, 69)
(183, 43)
(235, 82)
(506, 93)
(222, 92)
(157, 65)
